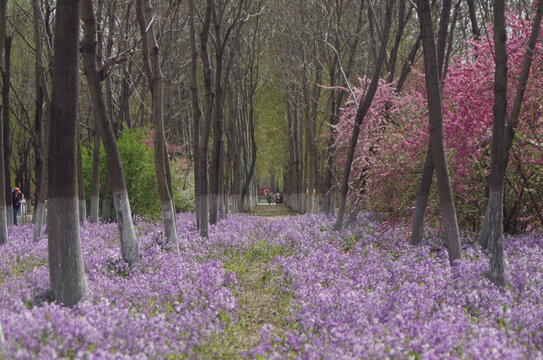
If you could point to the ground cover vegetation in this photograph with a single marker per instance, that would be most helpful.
(363, 292)
(265, 96)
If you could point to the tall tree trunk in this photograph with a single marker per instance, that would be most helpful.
(3, 208)
(6, 153)
(245, 194)
(314, 186)
(95, 181)
(152, 65)
(129, 244)
(80, 183)
(201, 130)
(497, 169)
(38, 115)
(360, 114)
(66, 270)
(433, 87)
(511, 125)
(215, 181)
(428, 169)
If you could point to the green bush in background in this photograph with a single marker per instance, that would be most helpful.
(139, 171)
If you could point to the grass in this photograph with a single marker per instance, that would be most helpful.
(260, 303)
(271, 211)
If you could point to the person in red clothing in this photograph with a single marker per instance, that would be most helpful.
(16, 203)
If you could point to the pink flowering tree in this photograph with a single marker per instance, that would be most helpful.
(392, 142)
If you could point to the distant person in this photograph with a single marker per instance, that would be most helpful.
(269, 198)
(16, 199)
(277, 198)
(282, 196)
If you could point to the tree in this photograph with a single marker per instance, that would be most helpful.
(497, 166)
(129, 244)
(152, 67)
(436, 145)
(428, 168)
(41, 124)
(513, 119)
(66, 271)
(221, 40)
(6, 110)
(201, 129)
(3, 188)
(361, 113)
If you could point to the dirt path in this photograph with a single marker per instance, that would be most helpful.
(272, 211)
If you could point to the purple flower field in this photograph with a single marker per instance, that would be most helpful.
(362, 293)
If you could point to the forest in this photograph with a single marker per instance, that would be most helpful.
(137, 138)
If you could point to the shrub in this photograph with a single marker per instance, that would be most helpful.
(139, 171)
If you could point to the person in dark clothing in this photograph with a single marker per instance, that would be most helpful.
(16, 203)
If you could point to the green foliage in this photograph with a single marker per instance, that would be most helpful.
(270, 133)
(139, 170)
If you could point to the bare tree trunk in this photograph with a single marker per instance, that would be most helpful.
(433, 87)
(484, 234)
(38, 116)
(66, 270)
(215, 181)
(6, 79)
(95, 182)
(473, 18)
(201, 130)
(497, 168)
(129, 244)
(428, 169)
(80, 184)
(361, 113)
(3, 208)
(402, 22)
(152, 65)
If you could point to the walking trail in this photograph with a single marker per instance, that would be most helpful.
(261, 304)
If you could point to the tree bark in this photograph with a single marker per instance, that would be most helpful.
(80, 184)
(41, 194)
(95, 182)
(152, 66)
(6, 79)
(515, 111)
(3, 207)
(433, 87)
(201, 130)
(215, 181)
(428, 169)
(363, 108)
(38, 116)
(66, 270)
(497, 167)
(129, 244)
(473, 18)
